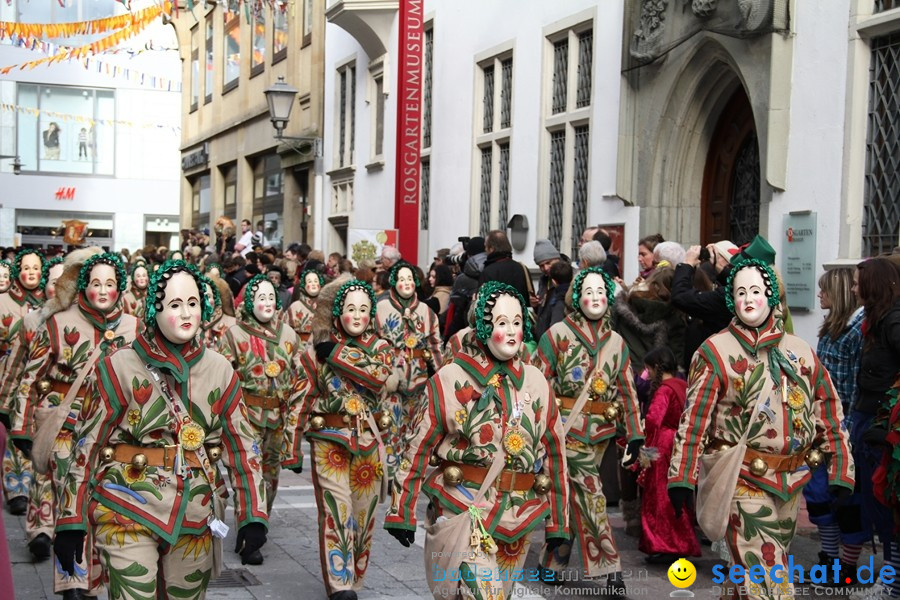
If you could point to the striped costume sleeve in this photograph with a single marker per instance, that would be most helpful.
(294, 417)
(101, 412)
(434, 340)
(38, 363)
(704, 389)
(634, 430)
(369, 371)
(226, 347)
(545, 356)
(555, 467)
(411, 471)
(829, 417)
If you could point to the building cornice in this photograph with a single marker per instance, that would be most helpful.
(368, 21)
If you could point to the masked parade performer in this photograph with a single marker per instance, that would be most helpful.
(159, 415)
(485, 403)
(342, 411)
(411, 328)
(84, 312)
(300, 313)
(266, 355)
(134, 298)
(577, 353)
(24, 296)
(215, 328)
(798, 422)
(5, 280)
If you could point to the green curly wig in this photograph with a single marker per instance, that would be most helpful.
(250, 292)
(352, 285)
(487, 298)
(5, 263)
(17, 261)
(772, 291)
(45, 269)
(157, 284)
(217, 299)
(579, 280)
(396, 269)
(105, 258)
(139, 264)
(212, 266)
(310, 272)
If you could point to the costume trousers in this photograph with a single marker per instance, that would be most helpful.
(760, 530)
(477, 582)
(138, 564)
(403, 408)
(346, 486)
(589, 521)
(270, 442)
(39, 518)
(88, 573)
(17, 472)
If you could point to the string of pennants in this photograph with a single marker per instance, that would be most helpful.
(128, 26)
(37, 112)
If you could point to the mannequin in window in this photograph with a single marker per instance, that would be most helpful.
(51, 141)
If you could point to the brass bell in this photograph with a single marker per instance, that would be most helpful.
(139, 461)
(214, 453)
(317, 423)
(434, 460)
(452, 475)
(385, 421)
(346, 418)
(426, 354)
(43, 387)
(611, 413)
(541, 484)
(815, 458)
(107, 454)
(758, 467)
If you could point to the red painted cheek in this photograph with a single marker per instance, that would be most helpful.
(520, 336)
(347, 319)
(113, 295)
(92, 296)
(586, 302)
(173, 321)
(498, 337)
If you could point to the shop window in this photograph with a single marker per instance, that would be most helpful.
(230, 200)
(209, 67)
(279, 31)
(201, 200)
(231, 48)
(268, 201)
(258, 57)
(307, 22)
(195, 68)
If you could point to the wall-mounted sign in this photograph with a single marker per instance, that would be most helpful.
(798, 259)
(197, 158)
(74, 232)
(65, 193)
(366, 244)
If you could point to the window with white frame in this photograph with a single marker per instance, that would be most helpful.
(195, 68)
(568, 93)
(342, 195)
(425, 173)
(376, 106)
(346, 112)
(493, 129)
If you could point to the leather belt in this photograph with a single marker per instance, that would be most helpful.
(424, 354)
(156, 457)
(508, 481)
(62, 388)
(591, 407)
(336, 421)
(779, 463)
(261, 401)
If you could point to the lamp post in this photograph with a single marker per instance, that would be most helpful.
(280, 99)
(17, 162)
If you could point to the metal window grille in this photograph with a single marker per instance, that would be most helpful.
(488, 99)
(426, 93)
(580, 187)
(585, 68)
(425, 196)
(343, 124)
(883, 5)
(352, 112)
(484, 209)
(560, 74)
(745, 193)
(504, 185)
(557, 185)
(881, 204)
(506, 93)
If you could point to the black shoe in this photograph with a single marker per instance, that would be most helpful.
(18, 505)
(661, 558)
(73, 594)
(40, 547)
(615, 585)
(343, 595)
(253, 558)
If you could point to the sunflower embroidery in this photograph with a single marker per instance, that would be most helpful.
(273, 369)
(332, 460)
(795, 398)
(132, 474)
(513, 443)
(115, 526)
(598, 386)
(411, 341)
(365, 472)
(461, 416)
(738, 383)
(134, 416)
(196, 545)
(353, 405)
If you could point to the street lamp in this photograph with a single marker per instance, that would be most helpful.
(280, 98)
(17, 163)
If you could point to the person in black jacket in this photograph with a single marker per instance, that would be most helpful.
(464, 286)
(553, 309)
(501, 267)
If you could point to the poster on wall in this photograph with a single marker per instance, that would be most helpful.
(798, 259)
(616, 234)
(366, 244)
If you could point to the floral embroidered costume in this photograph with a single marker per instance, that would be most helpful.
(347, 370)
(135, 297)
(486, 398)
(73, 325)
(577, 352)
(411, 328)
(799, 422)
(160, 414)
(24, 296)
(300, 313)
(214, 329)
(266, 355)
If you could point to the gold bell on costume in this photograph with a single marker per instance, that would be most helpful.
(385, 421)
(611, 413)
(452, 475)
(434, 460)
(541, 484)
(317, 423)
(43, 387)
(758, 467)
(139, 461)
(815, 458)
(107, 454)
(214, 453)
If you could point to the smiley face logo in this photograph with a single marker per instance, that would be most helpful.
(682, 573)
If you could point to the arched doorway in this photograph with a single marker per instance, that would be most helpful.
(731, 179)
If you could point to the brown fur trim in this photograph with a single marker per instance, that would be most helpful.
(323, 322)
(66, 285)
(225, 294)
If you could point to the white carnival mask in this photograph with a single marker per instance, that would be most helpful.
(508, 332)
(356, 312)
(311, 285)
(4, 279)
(594, 302)
(30, 271)
(750, 301)
(182, 309)
(140, 278)
(264, 302)
(406, 283)
(102, 289)
(52, 275)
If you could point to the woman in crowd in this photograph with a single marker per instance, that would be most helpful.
(646, 263)
(441, 281)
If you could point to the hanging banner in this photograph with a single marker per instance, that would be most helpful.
(366, 244)
(409, 128)
(74, 232)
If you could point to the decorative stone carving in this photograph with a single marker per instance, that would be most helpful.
(704, 9)
(645, 43)
(755, 14)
